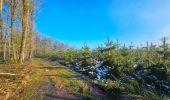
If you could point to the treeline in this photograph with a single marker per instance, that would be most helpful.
(115, 53)
(19, 39)
(18, 36)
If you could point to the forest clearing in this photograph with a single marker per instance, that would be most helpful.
(87, 64)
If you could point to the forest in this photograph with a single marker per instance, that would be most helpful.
(37, 67)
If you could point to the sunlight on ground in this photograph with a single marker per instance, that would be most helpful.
(36, 84)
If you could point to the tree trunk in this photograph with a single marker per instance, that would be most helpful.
(1, 3)
(13, 57)
(1, 36)
(24, 29)
(31, 35)
(30, 45)
(1, 40)
(9, 47)
(5, 45)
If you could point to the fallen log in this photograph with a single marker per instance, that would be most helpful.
(11, 75)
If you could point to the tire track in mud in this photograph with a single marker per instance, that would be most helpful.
(53, 93)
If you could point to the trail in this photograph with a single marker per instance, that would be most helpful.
(54, 93)
(50, 81)
(50, 90)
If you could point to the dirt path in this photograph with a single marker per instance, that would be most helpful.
(61, 79)
(54, 93)
(50, 81)
(42, 83)
(50, 90)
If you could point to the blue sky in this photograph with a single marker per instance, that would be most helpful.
(92, 21)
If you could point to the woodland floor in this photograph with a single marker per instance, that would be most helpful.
(45, 80)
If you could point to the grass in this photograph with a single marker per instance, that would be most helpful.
(23, 88)
(140, 92)
(66, 79)
(36, 82)
(9, 85)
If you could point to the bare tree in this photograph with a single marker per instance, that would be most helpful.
(24, 29)
(13, 5)
(31, 21)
